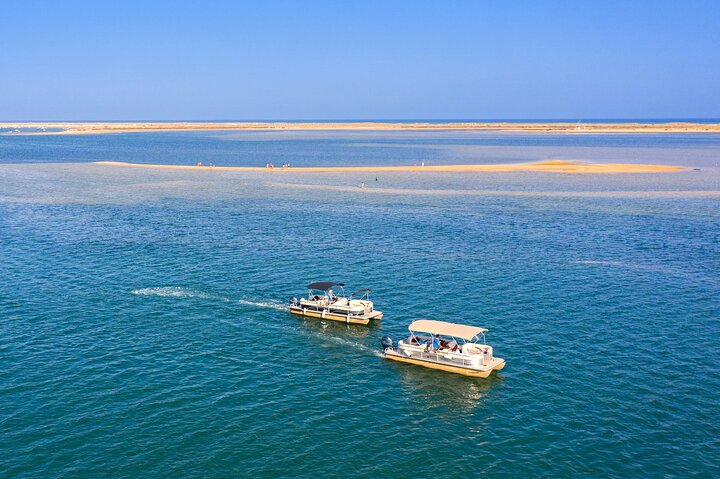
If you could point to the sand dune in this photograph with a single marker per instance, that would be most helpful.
(555, 166)
(75, 128)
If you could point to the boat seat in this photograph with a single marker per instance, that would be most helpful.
(471, 348)
(340, 302)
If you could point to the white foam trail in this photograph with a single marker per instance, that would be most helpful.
(352, 344)
(175, 292)
(180, 292)
(264, 304)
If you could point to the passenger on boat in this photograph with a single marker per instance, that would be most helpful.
(452, 345)
(434, 343)
(331, 299)
(485, 356)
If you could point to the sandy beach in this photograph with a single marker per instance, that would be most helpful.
(85, 128)
(555, 166)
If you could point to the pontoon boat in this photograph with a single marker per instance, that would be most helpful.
(322, 302)
(456, 348)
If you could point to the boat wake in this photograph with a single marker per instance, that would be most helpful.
(264, 304)
(181, 292)
(347, 343)
(176, 292)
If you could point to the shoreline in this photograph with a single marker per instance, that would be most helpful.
(94, 128)
(553, 166)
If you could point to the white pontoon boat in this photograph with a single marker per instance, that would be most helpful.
(456, 348)
(322, 302)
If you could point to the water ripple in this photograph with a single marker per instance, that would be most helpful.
(144, 329)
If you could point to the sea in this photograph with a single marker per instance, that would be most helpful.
(144, 328)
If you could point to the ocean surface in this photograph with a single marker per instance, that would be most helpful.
(144, 329)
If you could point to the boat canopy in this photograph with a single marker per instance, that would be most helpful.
(324, 285)
(446, 329)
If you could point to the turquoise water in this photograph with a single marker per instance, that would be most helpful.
(143, 329)
(322, 148)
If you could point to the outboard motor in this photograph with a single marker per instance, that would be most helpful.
(386, 342)
(294, 301)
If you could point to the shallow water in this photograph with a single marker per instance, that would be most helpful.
(143, 328)
(333, 148)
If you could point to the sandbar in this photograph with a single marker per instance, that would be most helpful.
(85, 128)
(553, 166)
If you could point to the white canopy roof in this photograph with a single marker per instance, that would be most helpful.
(446, 329)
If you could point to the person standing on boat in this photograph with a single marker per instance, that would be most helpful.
(330, 296)
(485, 356)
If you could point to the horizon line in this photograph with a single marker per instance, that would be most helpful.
(370, 120)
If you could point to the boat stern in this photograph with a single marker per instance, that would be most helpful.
(500, 364)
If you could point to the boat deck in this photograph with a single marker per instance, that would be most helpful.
(446, 361)
(336, 316)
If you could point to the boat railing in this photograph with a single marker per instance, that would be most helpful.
(442, 357)
(331, 308)
(364, 294)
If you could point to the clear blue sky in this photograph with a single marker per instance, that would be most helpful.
(225, 60)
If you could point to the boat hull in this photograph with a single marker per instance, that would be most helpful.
(465, 371)
(341, 318)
